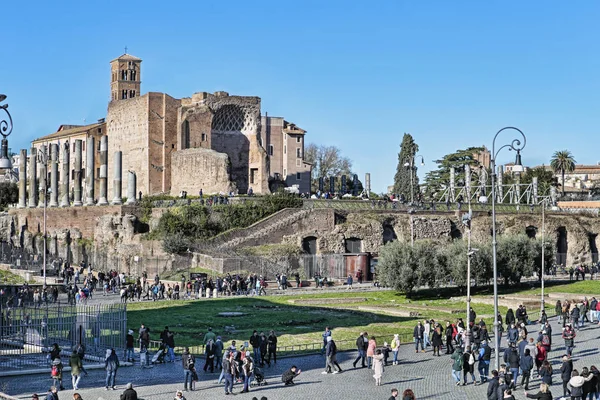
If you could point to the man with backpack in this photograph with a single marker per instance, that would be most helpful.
(569, 336)
(485, 354)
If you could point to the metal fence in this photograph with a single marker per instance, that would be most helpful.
(27, 333)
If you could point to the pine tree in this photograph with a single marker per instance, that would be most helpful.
(408, 149)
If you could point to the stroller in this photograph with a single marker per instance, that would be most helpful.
(259, 378)
(159, 357)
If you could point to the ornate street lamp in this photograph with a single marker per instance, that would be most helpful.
(518, 167)
(6, 126)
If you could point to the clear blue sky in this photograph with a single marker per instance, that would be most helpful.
(353, 74)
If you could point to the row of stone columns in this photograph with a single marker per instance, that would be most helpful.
(64, 199)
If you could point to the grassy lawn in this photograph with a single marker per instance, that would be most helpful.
(300, 319)
(293, 321)
(583, 287)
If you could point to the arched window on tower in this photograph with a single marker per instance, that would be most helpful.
(132, 75)
(124, 94)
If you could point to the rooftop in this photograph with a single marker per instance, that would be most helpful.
(127, 57)
(68, 132)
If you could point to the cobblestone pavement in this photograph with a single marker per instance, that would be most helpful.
(429, 377)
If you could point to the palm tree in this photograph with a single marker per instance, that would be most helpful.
(562, 161)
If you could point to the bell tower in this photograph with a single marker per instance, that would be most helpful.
(125, 81)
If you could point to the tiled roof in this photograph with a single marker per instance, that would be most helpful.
(127, 57)
(68, 132)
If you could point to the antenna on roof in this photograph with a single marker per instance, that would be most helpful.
(125, 49)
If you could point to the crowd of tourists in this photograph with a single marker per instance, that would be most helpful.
(527, 354)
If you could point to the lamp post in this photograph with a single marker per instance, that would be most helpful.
(43, 160)
(411, 164)
(542, 305)
(518, 167)
(6, 127)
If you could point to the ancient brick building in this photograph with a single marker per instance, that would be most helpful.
(214, 142)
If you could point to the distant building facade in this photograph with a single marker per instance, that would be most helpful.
(214, 142)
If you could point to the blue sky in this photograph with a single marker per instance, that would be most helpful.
(353, 74)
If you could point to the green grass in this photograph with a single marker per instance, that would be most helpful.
(298, 323)
(581, 287)
(8, 278)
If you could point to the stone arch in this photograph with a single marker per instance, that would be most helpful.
(353, 245)
(561, 246)
(309, 245)
(389, 234)
(531, 231)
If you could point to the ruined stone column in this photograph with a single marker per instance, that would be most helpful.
(534, 189)
(89, 172)
(102, 200)
(33, 187)
(53, 176)
(117, 188)
(77, 184)
(66, 169)
(131, 188)
(23, 179)
(43, 181)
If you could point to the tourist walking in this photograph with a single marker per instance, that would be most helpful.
(111, 365)
(485, 354)
(56, 373)
(566, 369)
(395, 348)
(349, 282)
(436, 340)
(492, 389)
(52, 393)
(546, 373)
(248, 371)
(468, 365)
(378, 367)
(129, 346)
(362, 343)
(526, 365)
(543, 394)
(418, 334)
(271, 348)
(188, 361)
(569, 336)
(457, 365)
(449, 332)
(76, 366)
(372, 345)
(575, 385)
(229, 369)
(331, 354)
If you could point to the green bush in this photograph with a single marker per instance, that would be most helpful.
(432, 264)
(198, 222)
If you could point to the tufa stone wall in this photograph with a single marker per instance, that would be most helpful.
(195, 169)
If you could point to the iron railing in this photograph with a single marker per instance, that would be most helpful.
(27, 333)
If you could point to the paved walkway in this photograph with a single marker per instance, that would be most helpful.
(429, 377)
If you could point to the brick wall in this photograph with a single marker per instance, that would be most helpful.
(57, 219)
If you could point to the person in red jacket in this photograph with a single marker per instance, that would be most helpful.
(541, 356)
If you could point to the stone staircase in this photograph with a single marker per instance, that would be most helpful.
(227, 244)
(255, 234)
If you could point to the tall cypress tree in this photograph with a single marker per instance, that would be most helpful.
(408, 149)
